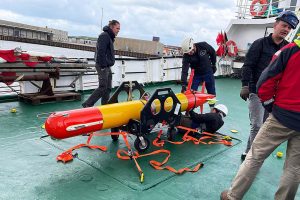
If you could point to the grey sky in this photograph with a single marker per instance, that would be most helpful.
(141, 19)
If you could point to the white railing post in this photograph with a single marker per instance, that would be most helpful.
(270, 8)
(244, 8)
(239, 3)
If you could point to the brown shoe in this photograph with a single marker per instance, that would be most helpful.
(223, 195)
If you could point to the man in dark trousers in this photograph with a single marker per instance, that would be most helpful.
(209, 122)
(258, 58)
(278, 90)
(202, 58)
(104, 58)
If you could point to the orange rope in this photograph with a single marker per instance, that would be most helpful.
(186, 137)
(134, 155)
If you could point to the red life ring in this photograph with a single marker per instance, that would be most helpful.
(232, 49)
(264, 5)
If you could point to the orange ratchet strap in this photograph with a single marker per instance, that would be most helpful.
(226, 140)
(68, 156)
(134, 155)
(122, 154)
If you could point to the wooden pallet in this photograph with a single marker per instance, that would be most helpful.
(36, 98)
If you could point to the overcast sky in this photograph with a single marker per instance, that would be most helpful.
(142, 19)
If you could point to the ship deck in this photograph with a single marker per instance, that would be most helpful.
(29, 170)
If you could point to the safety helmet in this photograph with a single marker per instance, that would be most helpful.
(187, 45)
(222, 108)
(288, 17)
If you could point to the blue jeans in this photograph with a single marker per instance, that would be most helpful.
(209, 82)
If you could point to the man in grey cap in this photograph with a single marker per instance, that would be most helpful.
(258, 58)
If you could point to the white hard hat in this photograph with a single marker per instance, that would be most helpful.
(187, 45)
(222, 108)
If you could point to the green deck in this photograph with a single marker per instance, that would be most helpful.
(28, 167)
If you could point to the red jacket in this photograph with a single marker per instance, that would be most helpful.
(281, 81)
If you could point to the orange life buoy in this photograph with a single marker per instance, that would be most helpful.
(263, 5)
(232, 49)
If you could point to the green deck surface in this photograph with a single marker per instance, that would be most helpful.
(28, 167)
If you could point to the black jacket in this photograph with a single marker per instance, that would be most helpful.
(212, 121)
(257, 59)
(203, 61)
(105, 53)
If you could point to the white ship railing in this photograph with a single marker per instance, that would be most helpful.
(144, 71)
(274, 8)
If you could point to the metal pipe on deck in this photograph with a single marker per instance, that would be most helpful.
(46, 70)
(38, 77)
(46, 65)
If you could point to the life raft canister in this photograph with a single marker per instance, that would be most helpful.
(232, 49)
(253, 7)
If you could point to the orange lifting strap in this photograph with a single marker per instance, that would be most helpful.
(155, 164)
(134, 155)
(217, 139)
(68, 156)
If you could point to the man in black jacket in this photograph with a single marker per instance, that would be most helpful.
(202, 58)
(257, 59)
(104, 58)
(209, 122)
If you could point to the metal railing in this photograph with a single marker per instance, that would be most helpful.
(72, 46)
(273, 9)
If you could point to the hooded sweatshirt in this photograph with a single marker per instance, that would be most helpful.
(105, 53)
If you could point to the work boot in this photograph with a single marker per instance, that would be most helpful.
(223, 195)
(243, 156)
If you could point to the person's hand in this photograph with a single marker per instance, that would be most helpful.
(244, 94)
(268, 105)
(183, 88)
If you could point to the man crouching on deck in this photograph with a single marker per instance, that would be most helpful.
(209, 122)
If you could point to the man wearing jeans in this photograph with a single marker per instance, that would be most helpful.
(104, 58)
(257, 59)
(278, 89)
(202, 58)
